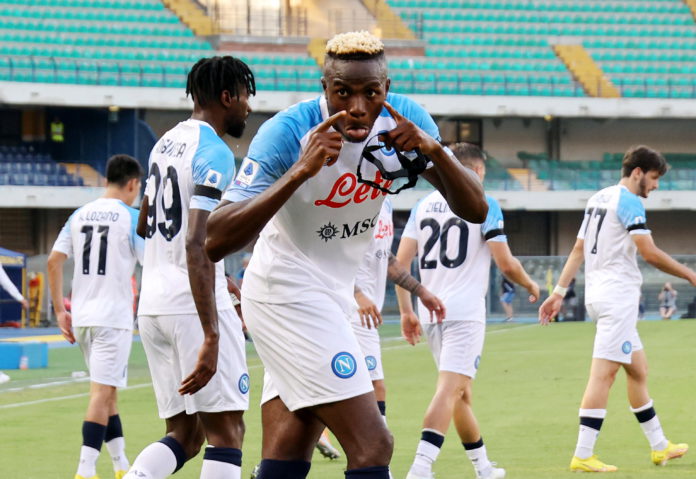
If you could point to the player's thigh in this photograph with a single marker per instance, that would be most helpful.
(156, 333)
(106, 352)
(616, 337)
(309, 351)
(459, 345)
(368, 339)
(228, 389)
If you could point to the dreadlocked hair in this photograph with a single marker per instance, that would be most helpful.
(360, 45)
(209, 77)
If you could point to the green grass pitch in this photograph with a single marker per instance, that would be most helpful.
(526, 399)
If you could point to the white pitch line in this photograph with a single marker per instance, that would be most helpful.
(255, 366)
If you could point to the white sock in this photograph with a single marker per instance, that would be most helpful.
(426, 455)
(479, 459)
(652, 428)
(384, 418)
(587, 436)
(88, 462)
(220, 470)
(117, 451)
(156, 461)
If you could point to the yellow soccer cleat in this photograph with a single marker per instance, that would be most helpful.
(77, 476)
(119, 474)
(672, 451)
(591, 464)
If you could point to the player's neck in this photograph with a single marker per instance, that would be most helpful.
(209, 117)
(115, 193)
(630, 186)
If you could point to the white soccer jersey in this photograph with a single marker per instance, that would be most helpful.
(190, 167)
(101, 237)
(372, 273)
(612, 215)
(312, 247)
(453, 258)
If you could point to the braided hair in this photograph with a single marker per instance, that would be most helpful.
(209, 77)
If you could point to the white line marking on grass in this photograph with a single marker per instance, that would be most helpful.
(255, 366)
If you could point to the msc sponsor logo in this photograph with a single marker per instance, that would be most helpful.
(243, 383)
(343, 365)
(627, 347)
(346, 190)
(371, 363)
(327, 231)
(348, 230)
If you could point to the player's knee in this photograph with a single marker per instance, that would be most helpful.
(464, 394)
(375, 451)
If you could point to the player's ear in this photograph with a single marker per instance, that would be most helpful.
(387, 84)
(226, 98)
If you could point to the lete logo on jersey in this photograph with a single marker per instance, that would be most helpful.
(346, 190)
(246, 174)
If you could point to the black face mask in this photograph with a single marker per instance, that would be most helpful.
(411, 166)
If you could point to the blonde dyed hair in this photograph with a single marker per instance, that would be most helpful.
(349, 45)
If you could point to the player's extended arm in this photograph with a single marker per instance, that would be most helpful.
(512, 268)
(552, 305)
(459, 185)
(232, 226)
(410, 326)
(402, 277)
(202, 279)
(661, 260)
(55, 284)
(142, 218)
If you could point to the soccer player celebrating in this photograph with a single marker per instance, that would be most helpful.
(454, 262)
(370, 284)
(613, 229)
(101, 236)
(299, 188)
(191, 334)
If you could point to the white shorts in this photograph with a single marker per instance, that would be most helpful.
(616, 337)
(456, 345)
(368, 339)
(172, 344)
(106, 352)
(309, 351)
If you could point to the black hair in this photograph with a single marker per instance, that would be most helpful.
(645, 158)
(468, 154)
(120, 169)
(209, 77)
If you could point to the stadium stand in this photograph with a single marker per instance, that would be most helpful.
(22, 165)
(504, 46)
(129, 43)
(597, 174)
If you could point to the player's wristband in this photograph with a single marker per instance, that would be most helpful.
(235, 300)
(560, 290)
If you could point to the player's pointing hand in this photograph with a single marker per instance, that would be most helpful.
(323, 147)
(407, 136)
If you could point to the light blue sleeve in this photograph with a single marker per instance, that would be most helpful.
(414, 112)
(213, 168)
(492, 228)
(274, 149)
(64, 242)
(137, 243)
(411, 230)
(631, 213)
